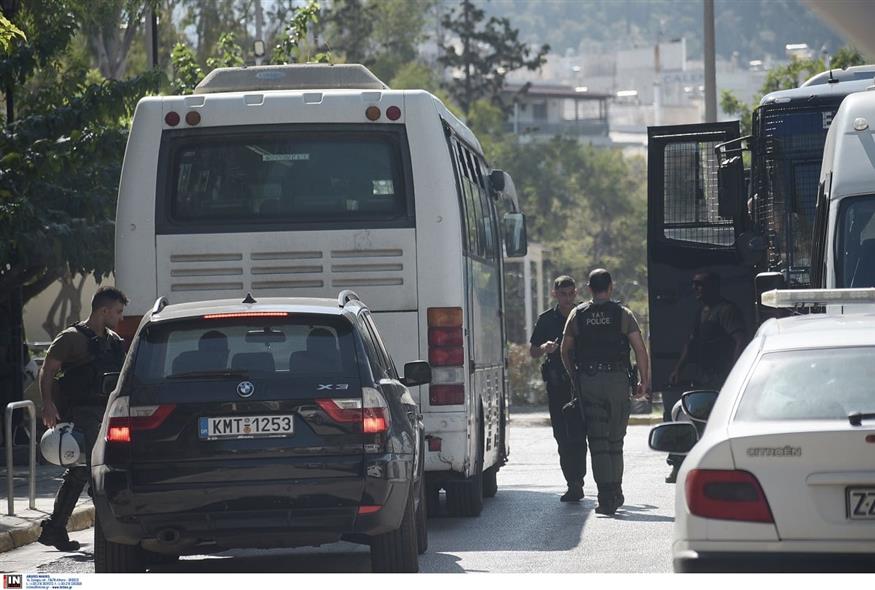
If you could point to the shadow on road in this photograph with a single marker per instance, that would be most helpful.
(514, 520)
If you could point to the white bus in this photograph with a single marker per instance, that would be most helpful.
(307, 180)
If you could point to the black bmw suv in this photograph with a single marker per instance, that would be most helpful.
(276, 423)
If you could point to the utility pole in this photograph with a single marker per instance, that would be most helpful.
(152, 37)
(710, 65)
(259, 24)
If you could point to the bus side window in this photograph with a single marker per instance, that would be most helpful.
(474, 196)
(470, 231)
(470, 212)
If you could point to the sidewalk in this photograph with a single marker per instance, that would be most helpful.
(24, 527)
(529, 416)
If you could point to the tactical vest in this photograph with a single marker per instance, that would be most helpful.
(80, 384)
(600, 337)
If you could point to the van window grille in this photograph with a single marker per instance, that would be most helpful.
(787, 158)
(690, 211)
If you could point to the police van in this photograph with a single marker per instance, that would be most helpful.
(753, 227)
(844, 227)
(305, 180)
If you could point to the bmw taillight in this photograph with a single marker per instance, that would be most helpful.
(371, 412)
(727, 495)
(125, 419)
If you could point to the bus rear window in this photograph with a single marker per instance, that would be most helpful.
(284, 177)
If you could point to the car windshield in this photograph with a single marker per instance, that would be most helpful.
(818, 384)
(856, 243)
(245, 347)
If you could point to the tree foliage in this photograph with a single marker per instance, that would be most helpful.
(847, 57)
(60, 157)
(483, 54)
(8, 34)
(292, 45)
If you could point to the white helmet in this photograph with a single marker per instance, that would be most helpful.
(63, 445)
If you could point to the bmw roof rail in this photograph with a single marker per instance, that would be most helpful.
(346, 296)
(160, 304)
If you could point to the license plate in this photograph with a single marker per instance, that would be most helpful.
(861, 503)
(219, 427)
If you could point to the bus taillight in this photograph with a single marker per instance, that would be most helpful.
(445, 337)
(446, 353)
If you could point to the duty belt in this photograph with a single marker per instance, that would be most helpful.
(602, 367)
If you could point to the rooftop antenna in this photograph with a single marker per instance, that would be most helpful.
(249, 299)
(832, 80)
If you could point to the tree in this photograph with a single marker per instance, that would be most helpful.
(8, 34)
(60, 160)
(292, 44)
(847, 57)
(488, 52)
(349, 28)
(110, 28)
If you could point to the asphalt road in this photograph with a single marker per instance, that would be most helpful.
(523, 529)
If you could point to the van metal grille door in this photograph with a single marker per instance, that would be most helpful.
(786, 167)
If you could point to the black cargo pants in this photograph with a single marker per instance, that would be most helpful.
(86, 419)
(606, 405)
(572, 455)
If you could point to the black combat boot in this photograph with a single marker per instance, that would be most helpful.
(620, 499)
(56, 536)
(574, 493)
(607, 500)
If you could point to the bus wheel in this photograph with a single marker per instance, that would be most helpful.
(490, 482)
(465, 497)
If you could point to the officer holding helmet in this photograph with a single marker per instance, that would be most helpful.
(545, 343)
(595, 351)
(70, 382)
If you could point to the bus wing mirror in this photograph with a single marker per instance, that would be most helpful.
(515, 240)
(502, 188)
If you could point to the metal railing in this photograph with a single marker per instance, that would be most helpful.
(31, 410)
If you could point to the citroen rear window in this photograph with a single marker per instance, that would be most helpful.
(815, 384)
(247, 346)
(283, 175)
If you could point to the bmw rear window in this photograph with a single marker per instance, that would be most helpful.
(816, 384)
(250, 346)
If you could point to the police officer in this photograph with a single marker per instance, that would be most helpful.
(595, 352)
(717, 339)
(69, 382)
(545, 343)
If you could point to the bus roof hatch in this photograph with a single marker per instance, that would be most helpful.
(290, 77)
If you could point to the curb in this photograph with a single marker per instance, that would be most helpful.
(545, 421)
(82, 518)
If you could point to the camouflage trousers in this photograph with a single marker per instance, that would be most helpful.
(606, 402)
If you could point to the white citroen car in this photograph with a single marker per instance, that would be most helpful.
(783, 477)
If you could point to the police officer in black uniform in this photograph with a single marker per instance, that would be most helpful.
(70, 383)
(717, 339)
(595, 351)
(545, 343)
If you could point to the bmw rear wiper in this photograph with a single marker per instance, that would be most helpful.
(208, 374)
